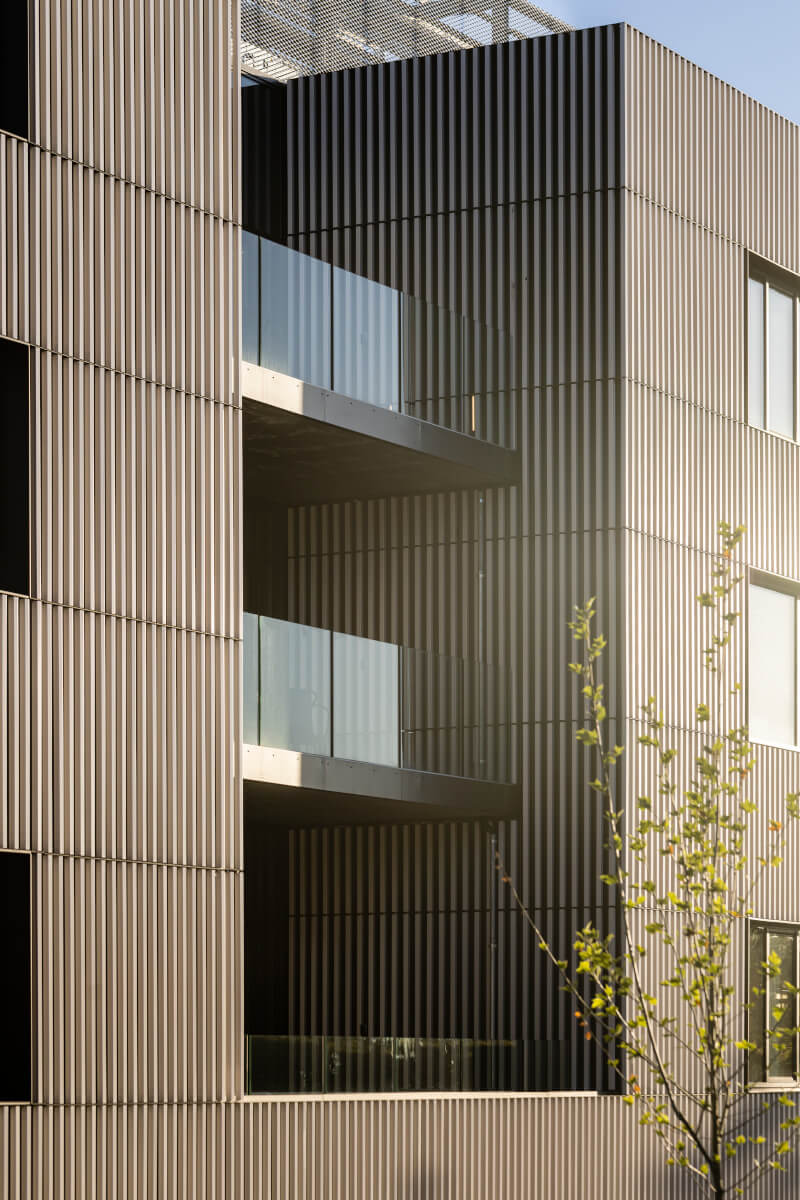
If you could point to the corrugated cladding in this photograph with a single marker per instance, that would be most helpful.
(495, 1147)
(147, 93)
(137, 992)
(116, 275)
(699, 148)
(136, 498)
(488, 182)
(712, 176)
(119, 678)
(135, 740)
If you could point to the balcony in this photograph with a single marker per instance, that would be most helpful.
(355, 389)
(328, 715)
(336, 1065)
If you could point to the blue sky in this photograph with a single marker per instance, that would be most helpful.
(754, 46)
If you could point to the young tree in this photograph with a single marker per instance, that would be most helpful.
(679, 1042)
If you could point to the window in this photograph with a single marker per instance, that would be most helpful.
(14, 60)
(14, 469)
(16, 992)
(773, 660)
(773, 1014)
(772, 377)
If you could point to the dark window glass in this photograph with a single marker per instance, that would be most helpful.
(773, 1011)
(14, 57)
(14, 500)
(15, 994)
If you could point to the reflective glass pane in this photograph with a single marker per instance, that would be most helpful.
(781, 1055)
(780, 399)
(366, 340)
(295, 314)
(756, 998)
(250, 681)
(295, 687)
(772, 667)
(250, 299)
(755, 356)
(366, 708)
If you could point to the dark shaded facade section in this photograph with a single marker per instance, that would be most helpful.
(14, 69)
(16, 1070)
(14, 467)
(489, 183)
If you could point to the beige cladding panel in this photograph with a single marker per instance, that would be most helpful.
(137, 992)
(684, 311)
(700, 148)
(689, 468)
(136, 498)
(465, 1148)
(147, 92)
(667, 632)
(135, 738)
(116, 275)
(774, 775)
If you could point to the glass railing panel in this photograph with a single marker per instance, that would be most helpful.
(251, 297)
(295, 325)
(285, 1065)
(366, 700)
(250, 681)
(366, 340)
(294, 687)
(318, 692)
(338, 330)
(336, 1065)
(359, 1064)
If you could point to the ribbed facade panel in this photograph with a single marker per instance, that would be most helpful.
(146, 92)
(118, 275)
(136, 983)
(15, 722)
(495, 1148)
(135, 732)
(141, 1152)
(548, 272)
(456, 132)
(137, 498)
(737, 473)
(391, 930)
(668, 631)
(698, 147)
(686, 294)
(488, 182)
(402, 569)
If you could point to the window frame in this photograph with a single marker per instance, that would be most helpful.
(788, 587)
(771, 276)
(780, 1083)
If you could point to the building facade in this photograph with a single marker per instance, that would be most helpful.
(325, 400)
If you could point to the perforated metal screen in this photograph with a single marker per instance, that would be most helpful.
(287, 38)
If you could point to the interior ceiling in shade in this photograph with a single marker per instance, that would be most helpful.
(283, 39)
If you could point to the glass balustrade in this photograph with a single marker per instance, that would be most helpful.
(323, 1065)
(340, 331)
(318, 692)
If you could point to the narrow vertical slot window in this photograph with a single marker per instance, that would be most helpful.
(756, 357)
(16, 992)
(14, 70)
(780, 363)
(14, 468)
